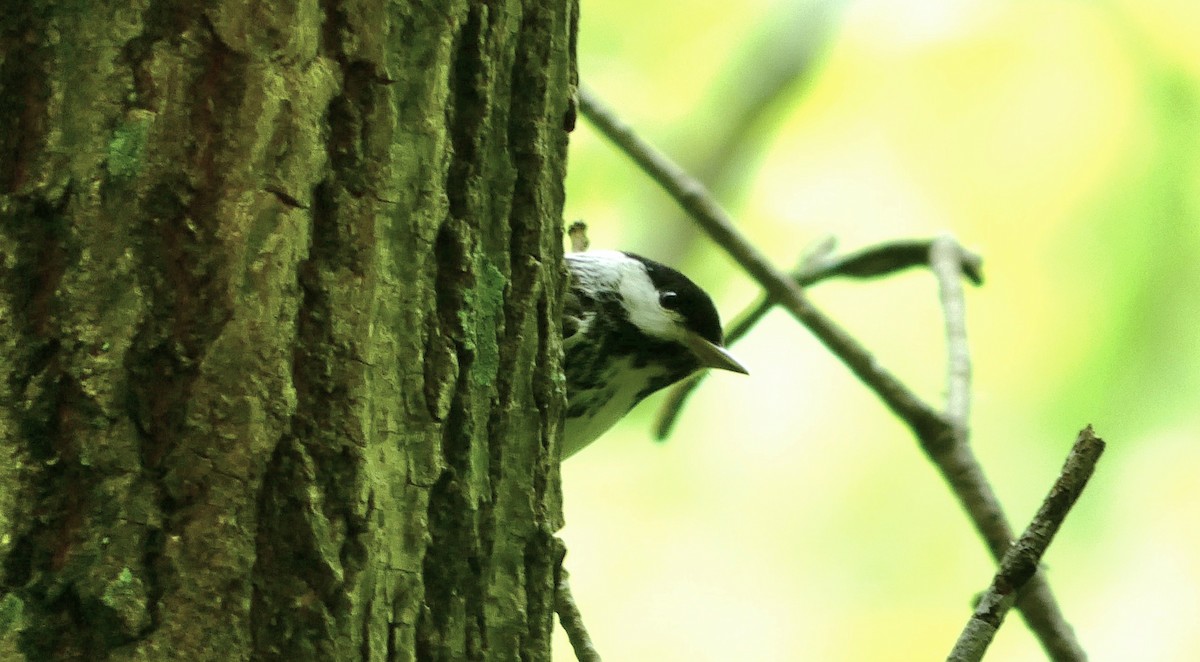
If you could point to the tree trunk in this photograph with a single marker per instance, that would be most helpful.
(279, 344)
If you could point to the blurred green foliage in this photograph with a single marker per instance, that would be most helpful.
(790, 517)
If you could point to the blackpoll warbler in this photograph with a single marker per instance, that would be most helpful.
(631, 326)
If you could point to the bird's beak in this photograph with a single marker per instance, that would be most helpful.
(712, 355)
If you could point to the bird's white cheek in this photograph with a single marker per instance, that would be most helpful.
(641, 304)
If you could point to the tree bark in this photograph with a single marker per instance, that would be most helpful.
(279, 328)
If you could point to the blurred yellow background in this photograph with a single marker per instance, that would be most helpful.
(790, 517)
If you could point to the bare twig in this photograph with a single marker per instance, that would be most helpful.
(1021, 562)
(962, 470)
(818, 265)
(577, 232)
(946, 259)
(936, 434)
(572, 620)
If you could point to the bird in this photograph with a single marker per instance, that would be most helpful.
(631, 326)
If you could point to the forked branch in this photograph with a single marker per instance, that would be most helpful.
(1021, 562)
(943, 436)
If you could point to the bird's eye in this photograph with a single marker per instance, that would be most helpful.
(668, 300)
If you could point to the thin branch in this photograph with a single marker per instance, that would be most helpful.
(936, 434)
(946, 259)
(959, 464)
(693, 197)
(577, 232)
(572, 620)
(1021, 562)
(818, 265)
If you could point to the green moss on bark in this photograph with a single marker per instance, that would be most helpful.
(279, 353)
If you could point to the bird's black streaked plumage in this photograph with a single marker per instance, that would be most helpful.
(631, 326)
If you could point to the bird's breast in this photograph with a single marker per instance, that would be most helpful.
(593, 410)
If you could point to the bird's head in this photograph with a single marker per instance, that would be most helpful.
(631, 326)
(667, 306)
(662, 307)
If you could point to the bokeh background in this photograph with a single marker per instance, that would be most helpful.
(790, 517)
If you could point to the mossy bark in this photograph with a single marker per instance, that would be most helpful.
(279, 345)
